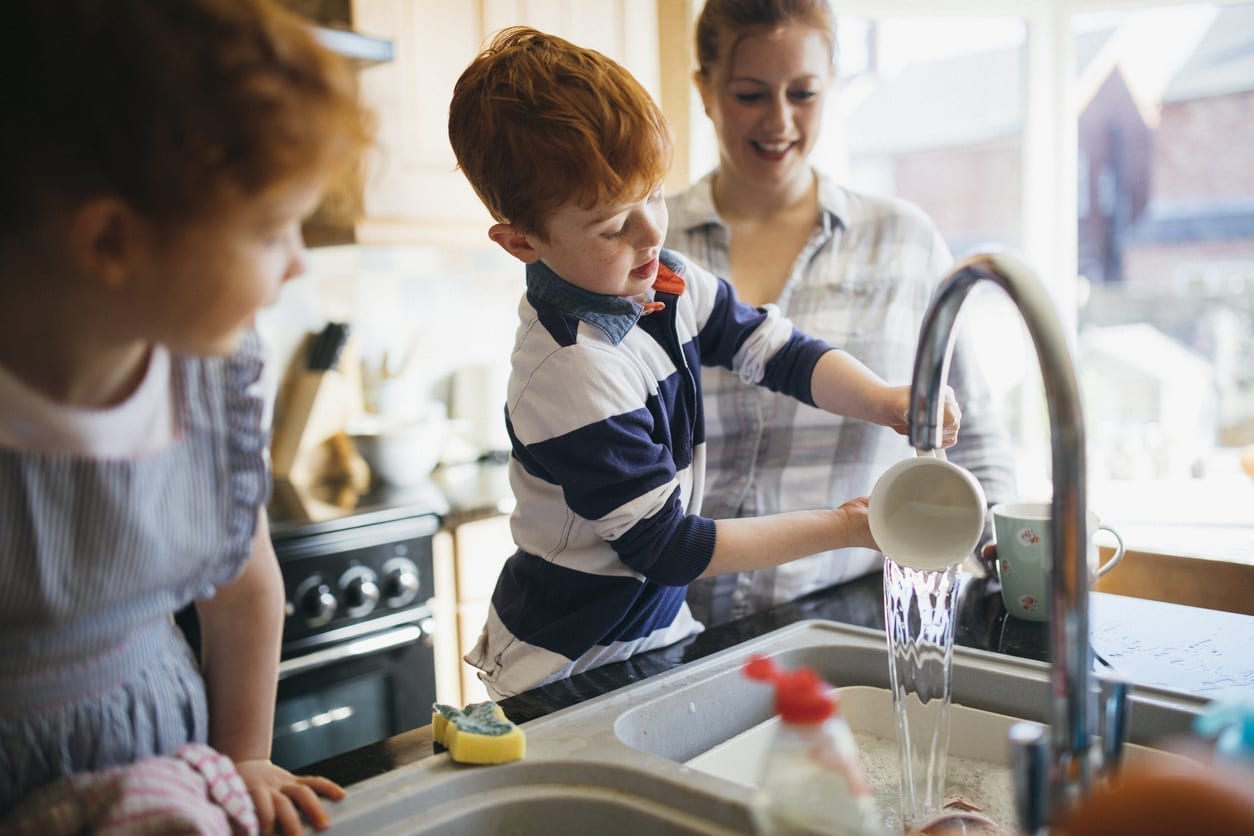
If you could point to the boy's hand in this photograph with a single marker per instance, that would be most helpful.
(857, 523)
(280, 797)
(899, 411)
(988, 559)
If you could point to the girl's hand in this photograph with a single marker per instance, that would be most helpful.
(899, 413)
(280, 797)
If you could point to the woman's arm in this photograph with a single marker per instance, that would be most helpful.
(241, 629)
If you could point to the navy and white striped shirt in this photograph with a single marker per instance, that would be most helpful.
(604, 412)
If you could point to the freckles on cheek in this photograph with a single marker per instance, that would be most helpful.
(596, 261)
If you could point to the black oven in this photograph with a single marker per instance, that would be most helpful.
(350, 694)
(358, 659)
(357, 663)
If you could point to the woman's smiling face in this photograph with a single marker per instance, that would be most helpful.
(766, 101)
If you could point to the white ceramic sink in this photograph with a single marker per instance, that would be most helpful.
(978, 768)
(674, 754)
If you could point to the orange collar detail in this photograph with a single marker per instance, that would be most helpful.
(667, 281)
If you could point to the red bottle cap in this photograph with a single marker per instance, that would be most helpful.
(800, 696)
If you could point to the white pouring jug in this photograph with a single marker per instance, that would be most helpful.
(927, 512)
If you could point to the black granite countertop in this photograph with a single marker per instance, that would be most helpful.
(1204, 652)
(1199, 651)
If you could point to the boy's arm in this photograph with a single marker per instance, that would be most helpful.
(843, 385)
(763, 347)
(241, 628)
(749, 543)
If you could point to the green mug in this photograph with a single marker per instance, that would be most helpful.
(1023, 549)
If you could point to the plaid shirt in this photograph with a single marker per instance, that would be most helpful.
(863, 283)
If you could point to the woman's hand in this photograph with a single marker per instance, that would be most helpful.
(898, 410)
(281, 797)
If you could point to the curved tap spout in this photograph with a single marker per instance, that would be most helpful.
(1070, 650)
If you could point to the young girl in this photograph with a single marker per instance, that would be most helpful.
(158, 159)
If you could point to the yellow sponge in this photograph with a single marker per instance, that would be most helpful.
(479, 733)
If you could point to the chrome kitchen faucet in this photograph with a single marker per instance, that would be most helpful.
(1050, 775)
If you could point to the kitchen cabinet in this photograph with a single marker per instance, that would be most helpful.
(411, 190)
(1215, 584)
(469, 556)
(472, 546)
(481, 549)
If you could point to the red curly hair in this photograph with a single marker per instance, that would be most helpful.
(536, 122)
(166, 103)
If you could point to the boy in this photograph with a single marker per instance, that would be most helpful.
(604, 412)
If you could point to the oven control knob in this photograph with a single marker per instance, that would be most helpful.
(428, 628)
(400, 581)
(360, 591)
(316, 602)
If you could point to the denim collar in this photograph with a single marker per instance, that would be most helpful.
(612, 314)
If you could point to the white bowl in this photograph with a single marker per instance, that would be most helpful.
(405, 453)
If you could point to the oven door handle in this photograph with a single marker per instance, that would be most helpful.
(360, 647)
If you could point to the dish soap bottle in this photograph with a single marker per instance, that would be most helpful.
(811, 781)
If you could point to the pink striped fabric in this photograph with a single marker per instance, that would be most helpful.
(196, 791)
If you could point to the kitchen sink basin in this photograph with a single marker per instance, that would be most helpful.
(533, 796)
(695, 707)
(675, 754)
(978, 768)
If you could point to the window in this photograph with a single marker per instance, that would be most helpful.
(972, 110)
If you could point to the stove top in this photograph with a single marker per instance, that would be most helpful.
(298, 511)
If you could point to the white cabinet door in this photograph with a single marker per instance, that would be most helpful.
(412, 190)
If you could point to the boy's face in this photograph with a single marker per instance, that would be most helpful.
(606, 249)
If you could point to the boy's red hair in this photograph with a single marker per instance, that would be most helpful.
(537, 121)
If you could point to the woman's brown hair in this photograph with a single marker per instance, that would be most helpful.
(723, 23)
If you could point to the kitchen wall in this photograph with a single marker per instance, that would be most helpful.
(424, 313)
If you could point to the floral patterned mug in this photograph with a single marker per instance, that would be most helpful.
(1023, 549)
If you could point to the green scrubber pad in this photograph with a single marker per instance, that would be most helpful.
(479, 733)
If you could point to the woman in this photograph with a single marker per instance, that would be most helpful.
(855, 269)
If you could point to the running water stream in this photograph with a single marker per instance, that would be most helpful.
(919, 620)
